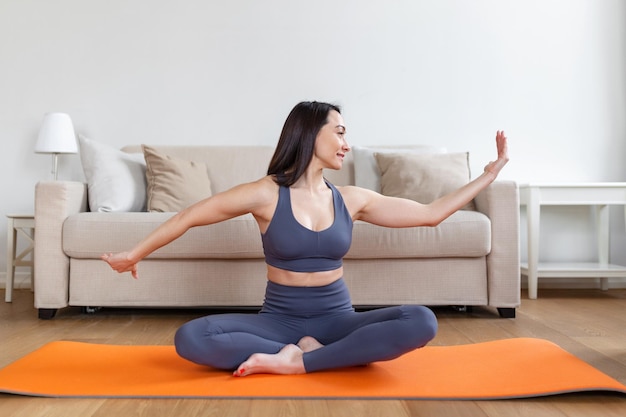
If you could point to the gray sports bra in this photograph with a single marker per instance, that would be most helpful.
(289, 245)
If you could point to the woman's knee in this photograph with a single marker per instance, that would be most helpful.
(424, 323)
(209, 341)
(195, 340)
(186, 343)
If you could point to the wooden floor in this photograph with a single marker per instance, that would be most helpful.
(591, 324)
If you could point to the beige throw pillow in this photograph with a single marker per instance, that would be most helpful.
(423, 178)
(173, 183)
(366, 172)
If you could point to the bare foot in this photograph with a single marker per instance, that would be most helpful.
(287, 361)
(309, 344)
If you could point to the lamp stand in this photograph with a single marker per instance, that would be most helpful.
(55, 165)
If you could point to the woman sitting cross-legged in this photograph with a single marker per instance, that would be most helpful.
(307, 322)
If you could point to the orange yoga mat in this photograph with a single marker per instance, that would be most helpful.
(511, 368)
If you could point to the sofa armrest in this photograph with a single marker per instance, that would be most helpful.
(500, 202)
(54, 202)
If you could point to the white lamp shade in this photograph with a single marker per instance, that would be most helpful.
(56, 135)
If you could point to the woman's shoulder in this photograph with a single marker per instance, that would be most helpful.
(264, 183)
(262, 197)
(264, 188)
(355, 197)
(353, 190)
(267, 182)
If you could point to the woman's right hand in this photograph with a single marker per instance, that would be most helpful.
(120, 262)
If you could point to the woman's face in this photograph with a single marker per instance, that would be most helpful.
(330, 144)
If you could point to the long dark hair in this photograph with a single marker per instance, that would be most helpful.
(297, 140)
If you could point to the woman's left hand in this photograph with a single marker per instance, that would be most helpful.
(494, 167)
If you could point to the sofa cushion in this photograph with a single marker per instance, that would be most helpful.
(173, 183)
(423, 178)
(464, 234)
(116, 180)
(232, 239)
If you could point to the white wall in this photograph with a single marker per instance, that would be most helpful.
(445, 72)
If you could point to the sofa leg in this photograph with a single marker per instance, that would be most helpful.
(464, 309)
(47, 313)
(506, 313)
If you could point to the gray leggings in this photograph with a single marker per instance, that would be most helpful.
(350, 338)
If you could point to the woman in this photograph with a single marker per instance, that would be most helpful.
(307, 322)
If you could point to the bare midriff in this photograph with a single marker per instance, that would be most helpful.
(303, 279)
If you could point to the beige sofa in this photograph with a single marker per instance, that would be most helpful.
(471, 259)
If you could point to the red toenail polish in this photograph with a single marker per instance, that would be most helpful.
(241, 371)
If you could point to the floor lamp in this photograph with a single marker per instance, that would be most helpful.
(56, 136)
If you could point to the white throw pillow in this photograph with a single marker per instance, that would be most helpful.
(366, 171)
(116, 180)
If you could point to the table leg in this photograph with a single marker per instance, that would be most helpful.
(533, 219)
(32, 260)
(11, 241)
(19, 259)
(602, 227)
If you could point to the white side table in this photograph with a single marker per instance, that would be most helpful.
(23, 224)
(600, 195)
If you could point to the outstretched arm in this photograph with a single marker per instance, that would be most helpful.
(239, 200)
(400, 212)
